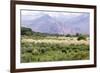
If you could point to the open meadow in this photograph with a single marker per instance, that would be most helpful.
(52, 48)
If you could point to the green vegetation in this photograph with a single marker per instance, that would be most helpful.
(68, 35)
(42, 47)
(81, 37)
(26, 31)
(34, 52)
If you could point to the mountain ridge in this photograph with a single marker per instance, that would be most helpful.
(47, 24)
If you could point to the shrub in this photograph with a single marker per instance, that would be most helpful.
(27, 57)
(26, 31)
(68, 35)
(39, 52)
(35, 52)
(81, 37)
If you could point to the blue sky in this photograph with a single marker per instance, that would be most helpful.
(71, 22)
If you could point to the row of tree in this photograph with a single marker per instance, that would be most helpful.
(29, 32)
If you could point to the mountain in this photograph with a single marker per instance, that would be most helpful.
(47, 24)
(58, 25)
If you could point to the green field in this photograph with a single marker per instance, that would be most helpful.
(38, 47)
(39, 50)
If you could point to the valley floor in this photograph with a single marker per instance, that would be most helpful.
(53, 49)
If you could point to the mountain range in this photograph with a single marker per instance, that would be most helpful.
(61, 24)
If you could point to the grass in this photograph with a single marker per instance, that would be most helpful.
(35, 49)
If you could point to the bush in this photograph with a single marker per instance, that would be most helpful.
(81, 37)
(26, 57)
(26, 31)
(68, 35)
(40, 52)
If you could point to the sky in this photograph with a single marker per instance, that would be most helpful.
(31, 14)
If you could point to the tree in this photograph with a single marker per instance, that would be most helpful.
(81, 37)
(68, 35)
(26, 31)
(77, 34)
